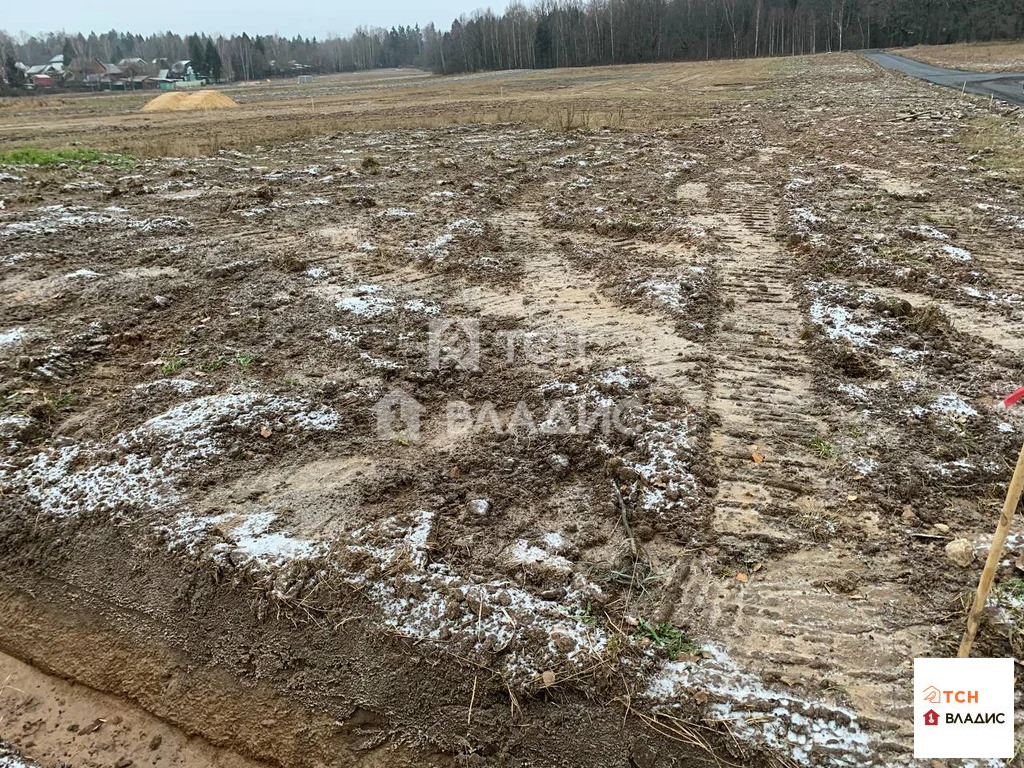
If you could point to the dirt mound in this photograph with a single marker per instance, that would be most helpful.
(175, 101)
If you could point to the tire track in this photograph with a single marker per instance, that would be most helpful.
(795, 618)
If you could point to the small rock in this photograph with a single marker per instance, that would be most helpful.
(92, 727)
(479, 507)
(941, 527)
(564, 643)
(627, 474)
(643, 756)
(960, 552)
(124, 762)
(155, 742)
(559, 463)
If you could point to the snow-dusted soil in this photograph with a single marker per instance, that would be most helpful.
(663, 429)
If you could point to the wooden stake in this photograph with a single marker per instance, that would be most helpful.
(996, 552)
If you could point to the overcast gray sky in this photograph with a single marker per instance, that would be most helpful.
(309, 19)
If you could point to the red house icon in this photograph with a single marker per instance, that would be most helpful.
(931, 717)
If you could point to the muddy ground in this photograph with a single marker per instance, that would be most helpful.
(500, 444)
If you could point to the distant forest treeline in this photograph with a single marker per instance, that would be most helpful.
(565, 33)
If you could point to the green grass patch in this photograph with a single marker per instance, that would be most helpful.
(215, 364)
(172, 366)
(823, 448)
(71, 156)
(1013, 588)
(669, 637)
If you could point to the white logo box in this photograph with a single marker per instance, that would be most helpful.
(970, 702)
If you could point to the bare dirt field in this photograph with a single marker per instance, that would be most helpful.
(637, 416)
(974, 57)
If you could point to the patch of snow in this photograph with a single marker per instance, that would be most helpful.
(811, 732)
(428, 601)
(365, 300)
(418, 305)
(12, 336)
(369, 301)
(14, 424)
(559, 387)
(667, 482)
(254, 542)
(863, 466)
(951, 404)
(930, 232)
(619, 378)
(959, 254)
(961, 468)
(804, 216)
(553, 542)
(13, 258)
(182, 386)
(143, 469)
(675, 293)
(379, 362)
(1016, 222)
(912, 355)
(524, 554)
(346, 336)
(54, 219)
(838, 324)
(12, 760)
(853, 391)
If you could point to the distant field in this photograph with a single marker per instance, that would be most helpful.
(638, 96)
(975, 57)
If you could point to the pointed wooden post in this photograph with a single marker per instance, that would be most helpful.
(988, 573)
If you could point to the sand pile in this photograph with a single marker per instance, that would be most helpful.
(174, 101)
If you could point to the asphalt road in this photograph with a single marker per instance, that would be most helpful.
(1008, 86)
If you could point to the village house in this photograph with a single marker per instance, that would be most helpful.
(98, 74)
(125, 75)
(45, 75)
(136, 72)
(179, 75)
